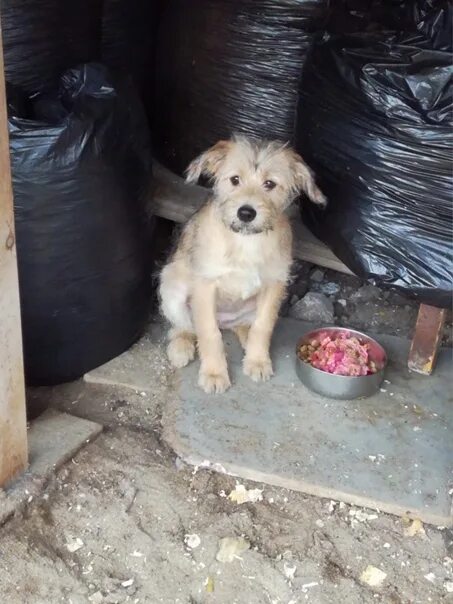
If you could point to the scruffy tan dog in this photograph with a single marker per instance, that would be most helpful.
(232, 262)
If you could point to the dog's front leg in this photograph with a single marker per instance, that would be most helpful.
(257, 362)
(213, 376)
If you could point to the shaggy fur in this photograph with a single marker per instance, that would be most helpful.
(232, 262)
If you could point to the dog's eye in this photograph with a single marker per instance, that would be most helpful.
(269, 185)
(234, 181)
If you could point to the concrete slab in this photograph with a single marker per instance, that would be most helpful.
(135, 368)
(53, 438)
(393, 451)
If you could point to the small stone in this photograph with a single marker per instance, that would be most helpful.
(367, 293)
(330, 288)
(242, 495)
(298, 288)
(415, 528)
(289, 571)
(74, 545)
(300, 268)
(396, 299)
(96, 598)
(448, 585)
(192, 541)
(317, 275)
(373, 576)
(313, 307)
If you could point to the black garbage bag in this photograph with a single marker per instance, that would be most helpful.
(228, 66)
(42, 38)
(80, 165)
(129, 39)
(433, 18)
(375, 123)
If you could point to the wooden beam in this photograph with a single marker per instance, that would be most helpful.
(427, 339)
(13, 429)
(176, 201)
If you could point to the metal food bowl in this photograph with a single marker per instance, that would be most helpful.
(342, 387)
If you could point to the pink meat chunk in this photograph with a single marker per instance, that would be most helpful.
(340, 354)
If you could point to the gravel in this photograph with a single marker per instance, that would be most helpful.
(325, 296)
(314, 307)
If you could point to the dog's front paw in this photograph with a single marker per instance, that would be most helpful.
(258, 369)
(213, 382)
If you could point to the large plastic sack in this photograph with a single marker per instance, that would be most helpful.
(80, 162)
(228, 66)
(129, 38)
(42, 38)
(375, 123)
(432, 18)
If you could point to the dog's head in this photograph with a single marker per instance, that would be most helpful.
(254, 181)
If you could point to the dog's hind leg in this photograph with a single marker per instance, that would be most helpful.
(181, 347)
(173, 292)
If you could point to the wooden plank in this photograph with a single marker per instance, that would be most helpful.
(427, 338)
(176, 201)
(13, 430)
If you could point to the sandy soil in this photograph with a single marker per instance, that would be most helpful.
(112, 527)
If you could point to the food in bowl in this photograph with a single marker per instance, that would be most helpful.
(339, 353)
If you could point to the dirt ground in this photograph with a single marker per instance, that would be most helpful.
(126, 521)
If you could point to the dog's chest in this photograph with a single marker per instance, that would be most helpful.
(242, 271)
(240, 284)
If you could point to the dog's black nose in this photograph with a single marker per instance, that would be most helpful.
(246, 213)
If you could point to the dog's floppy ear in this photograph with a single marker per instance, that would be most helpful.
(304, 180)
(208, 163)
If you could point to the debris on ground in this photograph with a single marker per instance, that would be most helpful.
(413, 528)
(367, 293)
(289, 571)
(146, 541)
(373, 576)
(231, 548)
(315, 307)
(209, 585)
(347, 301)
(242, 495)
(307, 586)
(448, 585)
(73, 545)
(317, 275)
(362, 515)
(192, 541)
